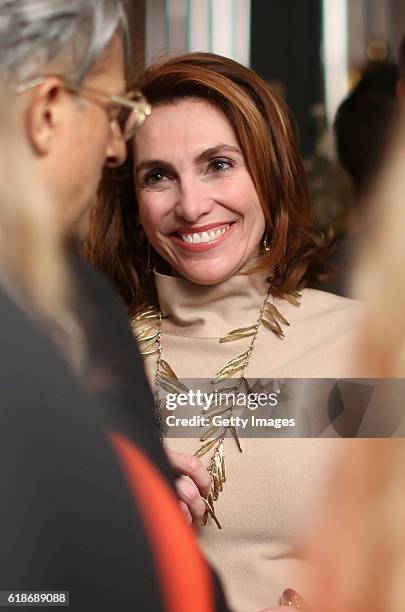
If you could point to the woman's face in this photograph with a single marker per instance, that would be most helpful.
(198, 204)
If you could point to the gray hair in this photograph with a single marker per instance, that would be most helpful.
(67, 35)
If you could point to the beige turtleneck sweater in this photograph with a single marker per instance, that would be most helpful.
(272, 486)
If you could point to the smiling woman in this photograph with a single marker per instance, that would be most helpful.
(197, 201)
(214, 198)
(258, 143)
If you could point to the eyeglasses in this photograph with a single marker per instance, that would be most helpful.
(127, 113)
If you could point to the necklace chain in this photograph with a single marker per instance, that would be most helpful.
(147, 325)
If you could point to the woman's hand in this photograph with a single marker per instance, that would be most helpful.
(193, 484)
(289, 598)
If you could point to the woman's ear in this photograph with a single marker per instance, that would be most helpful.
(44, 114)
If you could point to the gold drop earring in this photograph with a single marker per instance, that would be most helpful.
(266, 242)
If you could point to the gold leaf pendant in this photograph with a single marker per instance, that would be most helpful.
(218, 478)
(236, 334)
(233, 365)
(147, 328)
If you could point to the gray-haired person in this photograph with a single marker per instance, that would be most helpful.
(68, 520)
(65, 60)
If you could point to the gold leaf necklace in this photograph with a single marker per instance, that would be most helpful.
(147, 326)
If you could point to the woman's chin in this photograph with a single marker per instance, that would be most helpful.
(206, 276)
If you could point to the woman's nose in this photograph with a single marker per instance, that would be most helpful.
(193, 201)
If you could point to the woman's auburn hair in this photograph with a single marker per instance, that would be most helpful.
(263, 127)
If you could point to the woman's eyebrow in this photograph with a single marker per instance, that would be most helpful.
(216, 150)
(207, 154)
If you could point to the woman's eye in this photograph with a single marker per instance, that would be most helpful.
(155, 177)
(220, 165)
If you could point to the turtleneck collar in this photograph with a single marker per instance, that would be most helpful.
(202, 311)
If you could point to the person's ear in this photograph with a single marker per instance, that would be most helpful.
(44, 114)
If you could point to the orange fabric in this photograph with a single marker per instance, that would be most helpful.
(184, 575)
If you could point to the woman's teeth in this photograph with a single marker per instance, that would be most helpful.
(209, 236)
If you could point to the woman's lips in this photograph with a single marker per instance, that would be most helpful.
(208, 237)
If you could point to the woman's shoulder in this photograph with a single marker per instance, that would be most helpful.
(330, 308)
(320, 309)
(322, 337)
(325, 301)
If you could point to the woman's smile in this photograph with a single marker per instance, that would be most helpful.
(202, 238)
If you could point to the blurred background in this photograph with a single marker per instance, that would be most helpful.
(313, 52)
